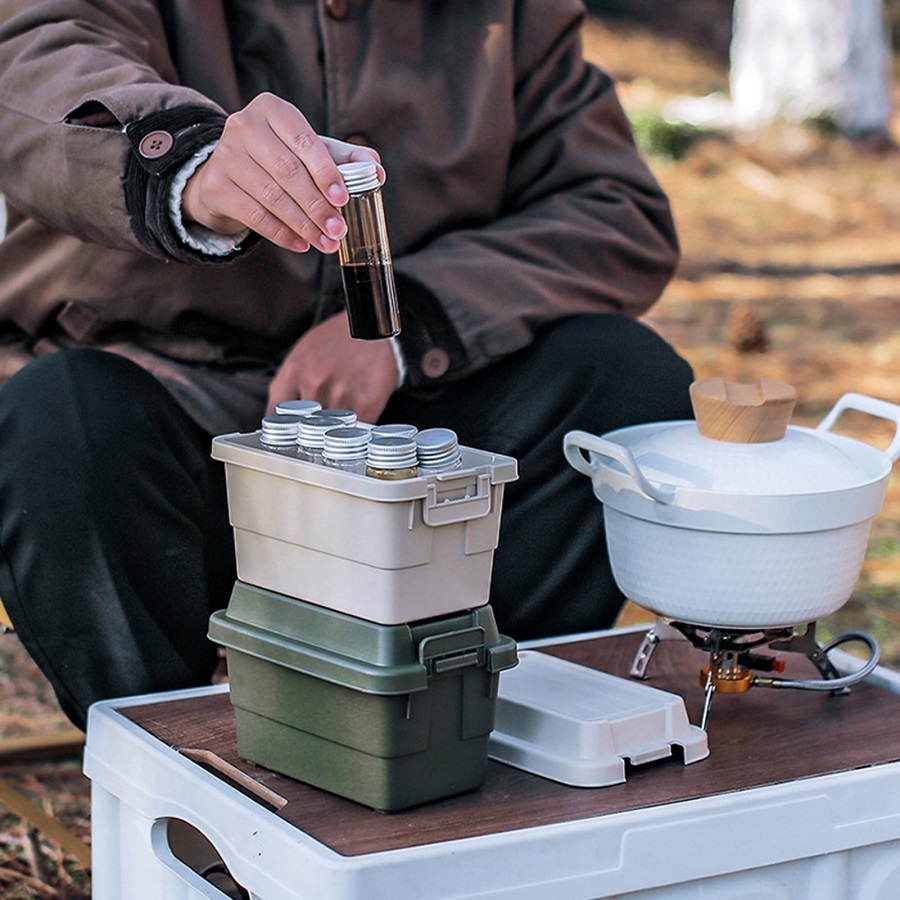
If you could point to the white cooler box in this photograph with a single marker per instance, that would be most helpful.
(386, 551)
(826, 837)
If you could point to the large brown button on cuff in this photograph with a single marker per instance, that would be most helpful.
(337, 9)
(435, 363)
(155, 144)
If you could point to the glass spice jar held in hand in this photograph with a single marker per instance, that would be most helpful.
(365, 257)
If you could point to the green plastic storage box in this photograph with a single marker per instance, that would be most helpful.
(390, 716)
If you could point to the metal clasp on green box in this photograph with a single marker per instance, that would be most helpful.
(390, 716)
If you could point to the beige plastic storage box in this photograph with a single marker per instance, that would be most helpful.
(385, 551)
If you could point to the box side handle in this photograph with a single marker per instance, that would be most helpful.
(448, 510)
(453, 650)
(458, 661)
(502, 655)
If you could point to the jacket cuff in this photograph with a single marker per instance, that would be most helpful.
(431, 346)
(192, 233)
(161, 144)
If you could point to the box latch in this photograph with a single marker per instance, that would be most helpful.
(454, 650)
(452, 500)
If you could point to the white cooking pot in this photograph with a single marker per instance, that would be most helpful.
(731, 520)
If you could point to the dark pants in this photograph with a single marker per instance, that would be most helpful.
(115, 545)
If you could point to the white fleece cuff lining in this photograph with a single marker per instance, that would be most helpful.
(199, 237)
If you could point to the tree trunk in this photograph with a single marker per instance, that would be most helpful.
(803, 59)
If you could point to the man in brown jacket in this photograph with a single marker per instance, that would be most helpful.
(168, 273)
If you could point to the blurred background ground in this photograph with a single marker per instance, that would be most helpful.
(791, 270)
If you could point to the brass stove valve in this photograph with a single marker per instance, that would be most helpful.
(730, 671)
(726, 682)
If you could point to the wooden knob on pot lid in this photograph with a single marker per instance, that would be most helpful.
(742, 413)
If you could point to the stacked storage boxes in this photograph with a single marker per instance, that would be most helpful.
(363, 655)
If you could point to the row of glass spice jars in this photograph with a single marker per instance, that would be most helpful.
(335, 438)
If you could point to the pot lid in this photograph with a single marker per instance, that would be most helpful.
(742, 443)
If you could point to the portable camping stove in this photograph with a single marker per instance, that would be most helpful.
(735, 665)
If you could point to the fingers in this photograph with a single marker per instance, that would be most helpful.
(344, 152)
(273, 174)
(327, 365)
(276, 177)
(298, 180)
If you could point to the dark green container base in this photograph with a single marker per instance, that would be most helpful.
(389, 752)
(384, 784)
(390, 716)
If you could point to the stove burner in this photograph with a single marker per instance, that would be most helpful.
(734, 662)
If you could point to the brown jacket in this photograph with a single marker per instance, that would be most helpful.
(514, 193)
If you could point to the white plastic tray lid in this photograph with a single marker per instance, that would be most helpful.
(578, 726)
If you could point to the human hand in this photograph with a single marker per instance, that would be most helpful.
(327, 365)
(272, 173)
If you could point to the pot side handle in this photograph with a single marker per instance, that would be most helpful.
(862, 403)
(576, 441)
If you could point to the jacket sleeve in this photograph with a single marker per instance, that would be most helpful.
(585, 226)
(86, 91)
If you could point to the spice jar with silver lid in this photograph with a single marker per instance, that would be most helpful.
(280, 432)
(391, 457)
(345, 416)
(346, 449)
(311, 436)
(364, 253)
(395, 429)
(297, 407)
(438, 450)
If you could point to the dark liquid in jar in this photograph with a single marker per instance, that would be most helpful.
(371, 301)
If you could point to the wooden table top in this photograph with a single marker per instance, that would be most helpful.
(758, 738)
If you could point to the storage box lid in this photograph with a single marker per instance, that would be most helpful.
(578, 725)
(479, 468)
(356, 653)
